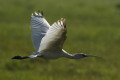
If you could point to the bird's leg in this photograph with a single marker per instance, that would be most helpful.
(20, 57)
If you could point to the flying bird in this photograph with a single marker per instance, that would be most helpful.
(48, 39)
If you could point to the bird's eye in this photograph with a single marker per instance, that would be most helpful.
(84, 55)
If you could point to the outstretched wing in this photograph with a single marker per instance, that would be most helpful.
(39, 27)
(55, 37)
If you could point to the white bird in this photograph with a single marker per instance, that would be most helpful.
(48, 40)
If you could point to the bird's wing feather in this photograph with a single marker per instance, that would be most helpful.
(39, 27)
(55, 37)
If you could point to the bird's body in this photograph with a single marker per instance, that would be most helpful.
(48, 40)
(52, 54)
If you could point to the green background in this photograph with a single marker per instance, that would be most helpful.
(93, 28)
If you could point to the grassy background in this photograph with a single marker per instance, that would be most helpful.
(93, 28)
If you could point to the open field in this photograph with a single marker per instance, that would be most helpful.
(93, 28)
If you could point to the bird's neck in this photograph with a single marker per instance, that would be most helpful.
(67, 55)
(75, 56)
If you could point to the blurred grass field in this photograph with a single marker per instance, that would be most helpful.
(93, 28)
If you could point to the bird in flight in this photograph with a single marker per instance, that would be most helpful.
(48, 39)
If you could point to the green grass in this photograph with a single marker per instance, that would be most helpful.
(93, 28)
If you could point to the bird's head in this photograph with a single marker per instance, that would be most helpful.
(82, 55)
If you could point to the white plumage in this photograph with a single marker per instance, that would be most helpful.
(48, 40)
(39, 28)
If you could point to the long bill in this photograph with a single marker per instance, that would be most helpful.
(94, 56)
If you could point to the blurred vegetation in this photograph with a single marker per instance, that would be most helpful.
(93, 28)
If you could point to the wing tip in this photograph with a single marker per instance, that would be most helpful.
(38, 13)
(63, 21)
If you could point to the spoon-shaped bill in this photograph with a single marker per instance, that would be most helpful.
(93, 56)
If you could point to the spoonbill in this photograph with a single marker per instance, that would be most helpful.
(48, 39)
